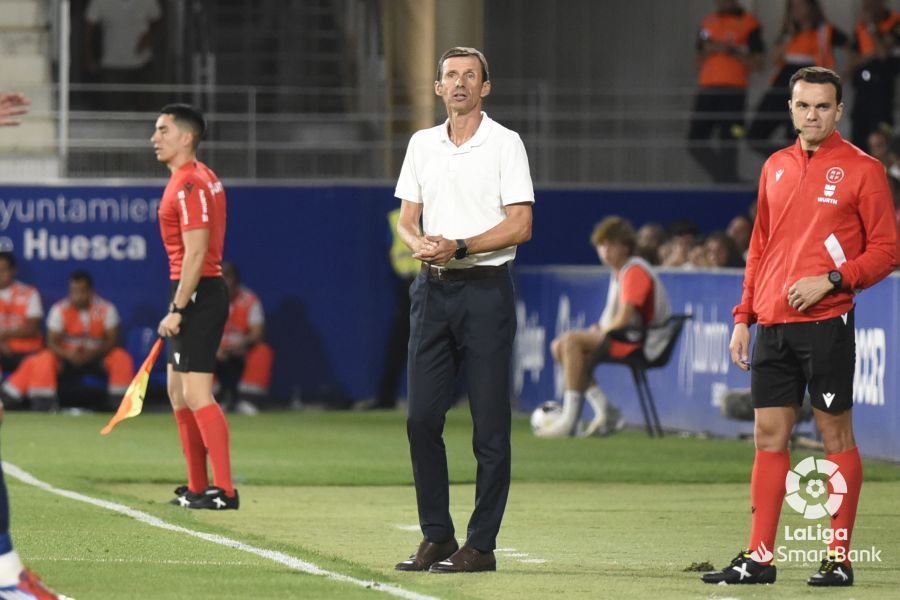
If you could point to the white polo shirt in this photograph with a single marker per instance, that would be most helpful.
(465, 190)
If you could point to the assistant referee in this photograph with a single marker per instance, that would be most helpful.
(192, 224)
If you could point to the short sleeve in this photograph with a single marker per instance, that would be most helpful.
(515, 175)
(112, 317)
(193, 205)
(34, 310)
(55, 319)
(637, 285)
(256, 316)
(408, 187)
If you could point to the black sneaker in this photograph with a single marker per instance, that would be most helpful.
(184, 496)
(832, 573)
(742, 569)
(214, 498)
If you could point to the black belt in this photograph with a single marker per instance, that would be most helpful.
(444, 274)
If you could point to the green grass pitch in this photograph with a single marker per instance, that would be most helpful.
(618, 517)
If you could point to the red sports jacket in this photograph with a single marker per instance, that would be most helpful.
(815, 215)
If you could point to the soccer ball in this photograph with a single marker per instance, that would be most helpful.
(545, 416)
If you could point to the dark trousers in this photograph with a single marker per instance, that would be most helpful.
(454, 322)
(720, 112)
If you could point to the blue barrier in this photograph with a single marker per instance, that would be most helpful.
(688, 391)
(317, 257)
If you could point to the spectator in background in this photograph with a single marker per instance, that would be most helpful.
(244, 360)
(635, 300)
(20, 316)
(739, 230)
(873, 65)
(405, 268)
(82, 332)
(806, 39)
(683, 237)
(729, 46)
(650, 236)
(126, 30)
(721, 251)
(877, 144)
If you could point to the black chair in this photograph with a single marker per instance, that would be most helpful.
(639, 365)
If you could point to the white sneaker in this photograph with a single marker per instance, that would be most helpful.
(245, 407)
(606, 423)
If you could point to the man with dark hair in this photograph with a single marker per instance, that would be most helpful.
(468, 181)
(635, 300)
(82, 332)
(20, 316)
(16, 580)
(192, 224)
(824, 230)
(244, 360)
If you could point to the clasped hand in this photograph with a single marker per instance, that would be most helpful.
(435, 249)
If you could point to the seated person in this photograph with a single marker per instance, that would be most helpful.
(20, 316)
(635, 301)
(82, 330)
(244, 360)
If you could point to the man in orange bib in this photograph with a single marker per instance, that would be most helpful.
(82, 331)
(243, 357)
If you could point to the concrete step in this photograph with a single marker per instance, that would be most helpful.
(22, 13)
(28, 169)
(22, 41)
(33, 136)
(24, 69)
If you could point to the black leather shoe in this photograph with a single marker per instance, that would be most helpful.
(428, 554)
(466, 560)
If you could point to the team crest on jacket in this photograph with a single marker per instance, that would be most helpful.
(834, 175)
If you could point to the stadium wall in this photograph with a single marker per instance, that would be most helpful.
(689, 390)
(317, 256)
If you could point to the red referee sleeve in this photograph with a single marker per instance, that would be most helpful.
(743, 312)
(876, 211)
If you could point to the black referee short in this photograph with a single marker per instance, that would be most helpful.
(193, 350)
(820, 355)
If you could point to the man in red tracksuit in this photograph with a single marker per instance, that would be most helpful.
(825, 229)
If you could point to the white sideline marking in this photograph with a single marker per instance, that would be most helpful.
(533, 561)
(148, 519)
(407, 527)
(141, 561)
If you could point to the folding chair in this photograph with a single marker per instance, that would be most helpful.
(639, 365)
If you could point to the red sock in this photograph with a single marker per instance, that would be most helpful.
(767, 489)
(194, 450)
(850, 467)
(214, 428)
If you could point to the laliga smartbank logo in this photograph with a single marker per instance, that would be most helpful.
(815, 489)
(819, 473)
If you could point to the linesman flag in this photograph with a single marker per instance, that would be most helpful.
(133, 400)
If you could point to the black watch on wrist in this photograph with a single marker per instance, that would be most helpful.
(836, 280)
(176, 310)
(462, 250)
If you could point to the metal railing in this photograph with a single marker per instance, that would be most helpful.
(573, 136)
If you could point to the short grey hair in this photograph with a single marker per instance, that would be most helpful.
(463, 51)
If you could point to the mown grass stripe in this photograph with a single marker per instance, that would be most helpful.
(273, 555)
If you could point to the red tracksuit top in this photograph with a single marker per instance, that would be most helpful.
(815, 215)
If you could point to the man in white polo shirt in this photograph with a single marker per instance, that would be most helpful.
(468, 181)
